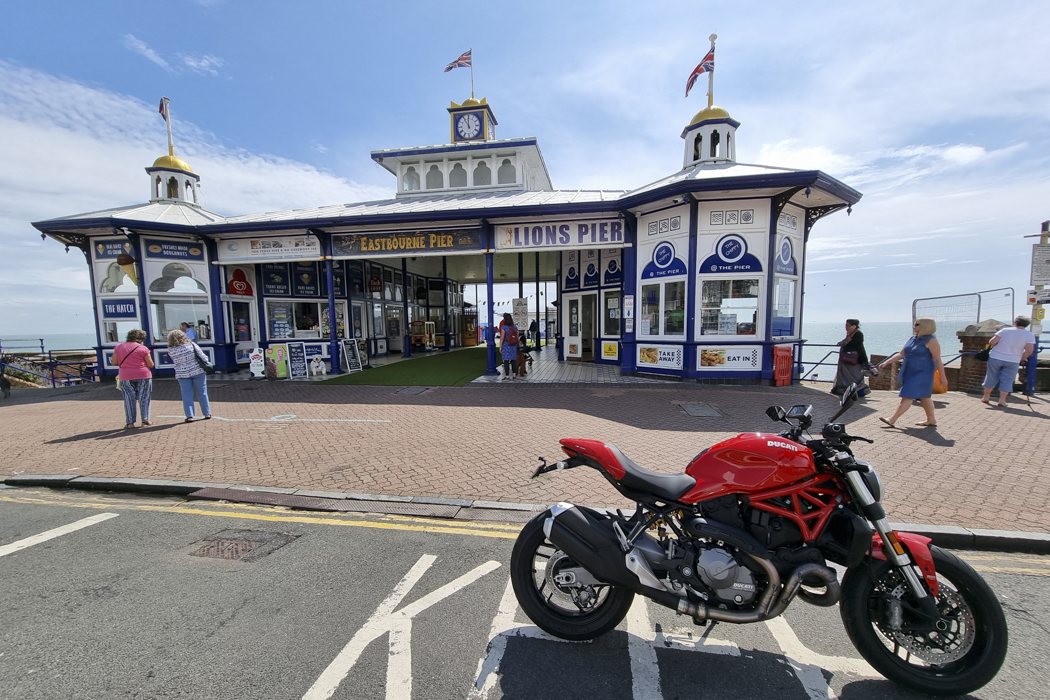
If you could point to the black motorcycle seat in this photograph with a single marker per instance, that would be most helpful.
(669, 487)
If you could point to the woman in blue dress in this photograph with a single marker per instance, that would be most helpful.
(508, 342)
(921, 357)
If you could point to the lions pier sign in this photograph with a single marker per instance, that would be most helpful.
(605, 233)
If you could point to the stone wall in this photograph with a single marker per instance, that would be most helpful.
(974, 338)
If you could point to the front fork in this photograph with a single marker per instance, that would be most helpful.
(892, 548)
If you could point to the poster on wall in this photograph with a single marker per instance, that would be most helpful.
(731, 256)
(304, 280)
(665, 262)
(785, 261)
(338, 280)
(276, 362)
(589, 268)
(110, 248)
(172, 250)
(610, 350)
(733, 357)
(628, 313)
(666, 356)
(275, 280)
(612, 268)
(304, 247)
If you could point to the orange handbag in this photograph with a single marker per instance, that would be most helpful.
(938, 387)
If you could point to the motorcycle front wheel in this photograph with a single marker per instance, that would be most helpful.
(575, 612)
(963, 653)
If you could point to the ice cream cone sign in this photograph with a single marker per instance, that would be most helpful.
(127, 263)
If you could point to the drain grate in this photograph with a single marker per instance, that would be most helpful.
(242, 545)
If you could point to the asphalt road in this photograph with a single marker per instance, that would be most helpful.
(127, 605)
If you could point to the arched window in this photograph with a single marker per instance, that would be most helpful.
(156, 188)
(697, 145)
(458, 176)
(714, 144)
(410, 181)
(435, 180)
(173, 188)
(117, 280)
(482, 174)
(729, 150)
(506, 174)
(189, 191)
(177, 278)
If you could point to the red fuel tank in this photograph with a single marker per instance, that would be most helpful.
(748, 463)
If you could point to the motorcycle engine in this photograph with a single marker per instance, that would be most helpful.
(724, 576)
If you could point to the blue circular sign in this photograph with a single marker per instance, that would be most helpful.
(663, 256)
(786, 251)
(732, 248)
(613, 266)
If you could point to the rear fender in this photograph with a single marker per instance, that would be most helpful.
(919, 549)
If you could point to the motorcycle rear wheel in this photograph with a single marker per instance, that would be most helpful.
(551, 606)
(963, 656)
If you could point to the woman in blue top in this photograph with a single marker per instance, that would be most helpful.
(921, 357)
(508, 349)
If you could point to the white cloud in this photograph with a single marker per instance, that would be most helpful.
(205, 65)
(69, 149)
(136, 45)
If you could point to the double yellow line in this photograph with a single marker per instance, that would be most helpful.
(276, 514)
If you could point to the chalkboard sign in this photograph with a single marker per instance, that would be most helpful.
(297, 360)
(351, 357)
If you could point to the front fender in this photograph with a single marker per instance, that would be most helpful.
(918, 547)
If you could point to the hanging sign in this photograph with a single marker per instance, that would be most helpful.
(1040, 264)
(408, 243)
(297, 360)
(172, 250)
(270, 248)
(665, 263)
(730, 256)
(560, 234)
(275, 280)
(119, 308)
(239, 284)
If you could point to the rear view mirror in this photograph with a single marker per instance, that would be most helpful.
(776, 413)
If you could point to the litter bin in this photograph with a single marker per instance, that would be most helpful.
(782, 361)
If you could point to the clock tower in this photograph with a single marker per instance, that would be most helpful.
(472, 121)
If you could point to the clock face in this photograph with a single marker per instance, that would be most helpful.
(468, 126)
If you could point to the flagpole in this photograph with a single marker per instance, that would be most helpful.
(471, 71)
(167, 121)
(711, 76)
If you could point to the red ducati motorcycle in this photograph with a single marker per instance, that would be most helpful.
(749, 527)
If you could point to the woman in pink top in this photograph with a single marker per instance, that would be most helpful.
(136, 381)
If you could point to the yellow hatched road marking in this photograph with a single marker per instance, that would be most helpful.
(1032, 559)
(1010, 570)
(247, 513)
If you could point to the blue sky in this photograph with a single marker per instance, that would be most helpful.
(936, 111)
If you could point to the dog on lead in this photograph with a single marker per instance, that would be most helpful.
(524, 358)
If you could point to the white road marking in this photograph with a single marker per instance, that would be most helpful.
(807, 664)
(399, 625)
(289, 418)
(52, 534)
(645, 669)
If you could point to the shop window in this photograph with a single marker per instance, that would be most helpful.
(482, 174)
(173, 188)
(177, 278)
(784, 308)
(410, 181)
(438, 317)
(388, 284)
(241, 320)
(114, 332)
(435, 180)
(303, 319)
(506, 175)
(457, 177)
(729, 307)
(117, 280)
(662, 309)
(393, 321)
(437, 292)
(377, 321)
(611, 314)
(169, 313)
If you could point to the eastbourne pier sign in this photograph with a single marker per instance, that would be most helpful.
(524, 235)
(439, 242)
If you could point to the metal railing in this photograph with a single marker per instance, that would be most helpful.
(29, 360)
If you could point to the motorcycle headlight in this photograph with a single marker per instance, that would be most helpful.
(874, 484)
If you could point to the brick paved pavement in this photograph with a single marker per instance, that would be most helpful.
(984, 467)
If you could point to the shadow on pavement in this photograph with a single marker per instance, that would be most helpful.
(111, 434)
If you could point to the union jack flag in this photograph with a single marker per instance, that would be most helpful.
(707, 64)
(461, 62)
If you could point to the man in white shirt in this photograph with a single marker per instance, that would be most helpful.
(1010, 347)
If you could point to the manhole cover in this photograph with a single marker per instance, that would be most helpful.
(413, 390)
(242, 545)
(702, 410)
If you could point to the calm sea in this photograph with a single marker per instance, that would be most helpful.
(53, 341)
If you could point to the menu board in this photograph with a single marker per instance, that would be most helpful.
(297, 360)
(351, 356)
(304, 280)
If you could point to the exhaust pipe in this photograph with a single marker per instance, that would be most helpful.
(593, 544)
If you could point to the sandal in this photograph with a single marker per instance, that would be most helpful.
(985, 400)
(147, 422)
(887, 422)
(207, 417)
(924, 424)
(1001, 405)
(129, 426)
(188, 420)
